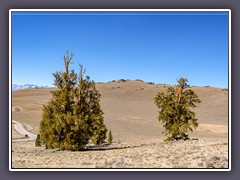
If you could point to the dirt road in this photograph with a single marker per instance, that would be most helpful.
(19, 128)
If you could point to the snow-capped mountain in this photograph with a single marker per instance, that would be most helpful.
(25, 86)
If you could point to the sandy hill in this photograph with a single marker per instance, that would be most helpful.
(130, 111)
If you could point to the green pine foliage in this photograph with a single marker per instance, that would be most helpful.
(110, 137)
(176, 110)
(38, 142)
(73, 117)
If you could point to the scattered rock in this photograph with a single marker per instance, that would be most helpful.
(16, 109)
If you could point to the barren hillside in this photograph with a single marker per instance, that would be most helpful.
(131, 114)
(129, 108)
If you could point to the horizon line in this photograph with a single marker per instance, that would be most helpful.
(124, 80)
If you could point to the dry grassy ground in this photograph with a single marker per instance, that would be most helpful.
(138, 143)
(181, 154)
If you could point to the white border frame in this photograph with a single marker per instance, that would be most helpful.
(119, 10)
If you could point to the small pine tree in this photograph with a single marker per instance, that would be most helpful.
(175, 110)
(73, 116)
(38, 142)
(110, 137)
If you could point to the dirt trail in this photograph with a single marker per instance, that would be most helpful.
(19, 128)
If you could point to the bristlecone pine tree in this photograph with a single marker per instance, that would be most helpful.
(175, 110)
(38, 142)
(110, 137)
(73, 117)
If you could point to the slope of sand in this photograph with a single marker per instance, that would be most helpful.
(131, 114)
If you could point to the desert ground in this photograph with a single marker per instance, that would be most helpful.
(131, 115)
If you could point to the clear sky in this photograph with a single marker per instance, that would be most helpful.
(153, 46)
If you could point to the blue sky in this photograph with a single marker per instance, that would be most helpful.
(153, 46)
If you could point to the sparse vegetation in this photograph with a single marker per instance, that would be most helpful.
(133, 146)
(216, 162)
(73, 116)
(175, 110)
(224, 89)
(110, 137)
(139, 80)
(122, 80)
(37, 141)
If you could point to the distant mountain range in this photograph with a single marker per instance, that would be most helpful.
(26, 86)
